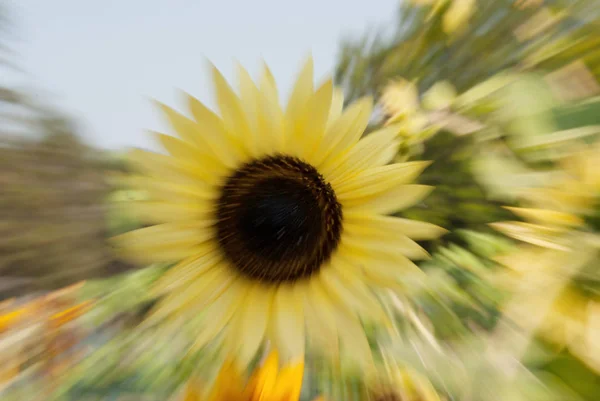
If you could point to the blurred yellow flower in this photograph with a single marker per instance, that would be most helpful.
(555, 210)
(279, 219)
(39, 323)
(401, 383)
(400, 100)
(440, 96)
(402, 109)
(457, 14)
(267, 383)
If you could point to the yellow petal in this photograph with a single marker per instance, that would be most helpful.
(166, 167)
(268, 86)
(187, 270)
(197, 294)
(387, 246)
(535, 234)
(214, 134)
(271, 120)
(354, 343)
(351, 292)
(288, 321)
(384, 270)
(320, 316)
(228, 385)
(164, 190)
(210, 168)
(417, 230)
(165, 212)
(232, 114)
(169, 234)
(337, 105)
(219, 313)
(161, 243)
(344, 132)
(309, 131)
(378, 179)
(382, 240)
(543, 216)
(252, 321)
(289, 383)
(394, 200)
(376, 149)
(249, 100)
(301, 93)
(185, 128)
(264, 378)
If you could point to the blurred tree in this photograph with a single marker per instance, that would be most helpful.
(498, 36)
(52, 193)
(52, 210)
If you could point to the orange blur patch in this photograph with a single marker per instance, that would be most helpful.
(71, 314)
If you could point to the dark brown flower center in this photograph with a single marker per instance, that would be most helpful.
(278, 220)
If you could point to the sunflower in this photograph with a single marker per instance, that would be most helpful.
(267, 383)
(278, 219)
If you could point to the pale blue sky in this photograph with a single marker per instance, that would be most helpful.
(101, 59)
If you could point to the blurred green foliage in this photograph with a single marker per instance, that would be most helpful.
(418, 49)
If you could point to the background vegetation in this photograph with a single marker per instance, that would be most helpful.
(503, 92)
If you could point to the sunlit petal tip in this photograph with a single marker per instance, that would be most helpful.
(218, 77)
(242, 72)
(309, 62)
(441, 231)
(165, 109)
(306, 76)
(267, 74)
(425, 163)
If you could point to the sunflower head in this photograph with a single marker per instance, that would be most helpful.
(279, 218)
